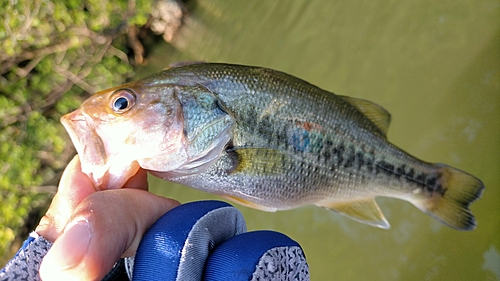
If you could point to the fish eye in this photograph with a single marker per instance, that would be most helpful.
(122, 101)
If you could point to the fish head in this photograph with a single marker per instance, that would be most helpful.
(119, 130)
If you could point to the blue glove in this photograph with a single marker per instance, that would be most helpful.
(207, 240)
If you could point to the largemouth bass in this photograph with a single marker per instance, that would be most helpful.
(265, 139)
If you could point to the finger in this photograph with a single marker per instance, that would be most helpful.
(73, 188)
(74, 185)
(105, 226)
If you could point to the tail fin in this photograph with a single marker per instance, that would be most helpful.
(450, 204)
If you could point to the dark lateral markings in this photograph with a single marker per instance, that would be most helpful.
(428, 182)
(347, 157)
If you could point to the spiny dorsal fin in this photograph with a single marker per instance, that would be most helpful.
(363, 210)
(377, 114)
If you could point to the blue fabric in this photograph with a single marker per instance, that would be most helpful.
(236, 259)
(16, 256)
(165, 245)
(25, 245)
(26, 262)
(206, 240)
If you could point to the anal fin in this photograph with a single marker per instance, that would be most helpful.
(364, 210)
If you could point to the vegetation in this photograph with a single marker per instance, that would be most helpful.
(52, 54)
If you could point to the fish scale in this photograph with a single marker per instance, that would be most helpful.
(271, 141)
(239, 84)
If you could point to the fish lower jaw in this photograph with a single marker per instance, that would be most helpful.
(100, 179)
(111, 176)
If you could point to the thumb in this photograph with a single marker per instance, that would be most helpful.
(105, 226)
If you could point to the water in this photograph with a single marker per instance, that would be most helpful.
(434, 65)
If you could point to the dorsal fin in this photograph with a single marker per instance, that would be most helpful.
(377, 114)
(364, 210)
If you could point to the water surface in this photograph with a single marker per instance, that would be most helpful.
(434, 65)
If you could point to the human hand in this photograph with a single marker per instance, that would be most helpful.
(91, 230)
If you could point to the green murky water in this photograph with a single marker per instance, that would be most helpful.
(435, 65)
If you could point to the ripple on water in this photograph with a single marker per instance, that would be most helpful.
(492, 261)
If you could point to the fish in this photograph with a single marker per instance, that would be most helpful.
(264, 139)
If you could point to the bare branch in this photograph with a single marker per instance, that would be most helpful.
(51, 189)
(75, 79)
(135, 44)
(28, 55)
(30, 14)
(87, 33)
(22, 72)
(55, 95)
(118, 53)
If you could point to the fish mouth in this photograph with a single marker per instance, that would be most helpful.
(88, 145)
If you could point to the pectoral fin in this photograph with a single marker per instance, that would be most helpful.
(363, 210)
(249, 204)
(261, 161)
(377, 114)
